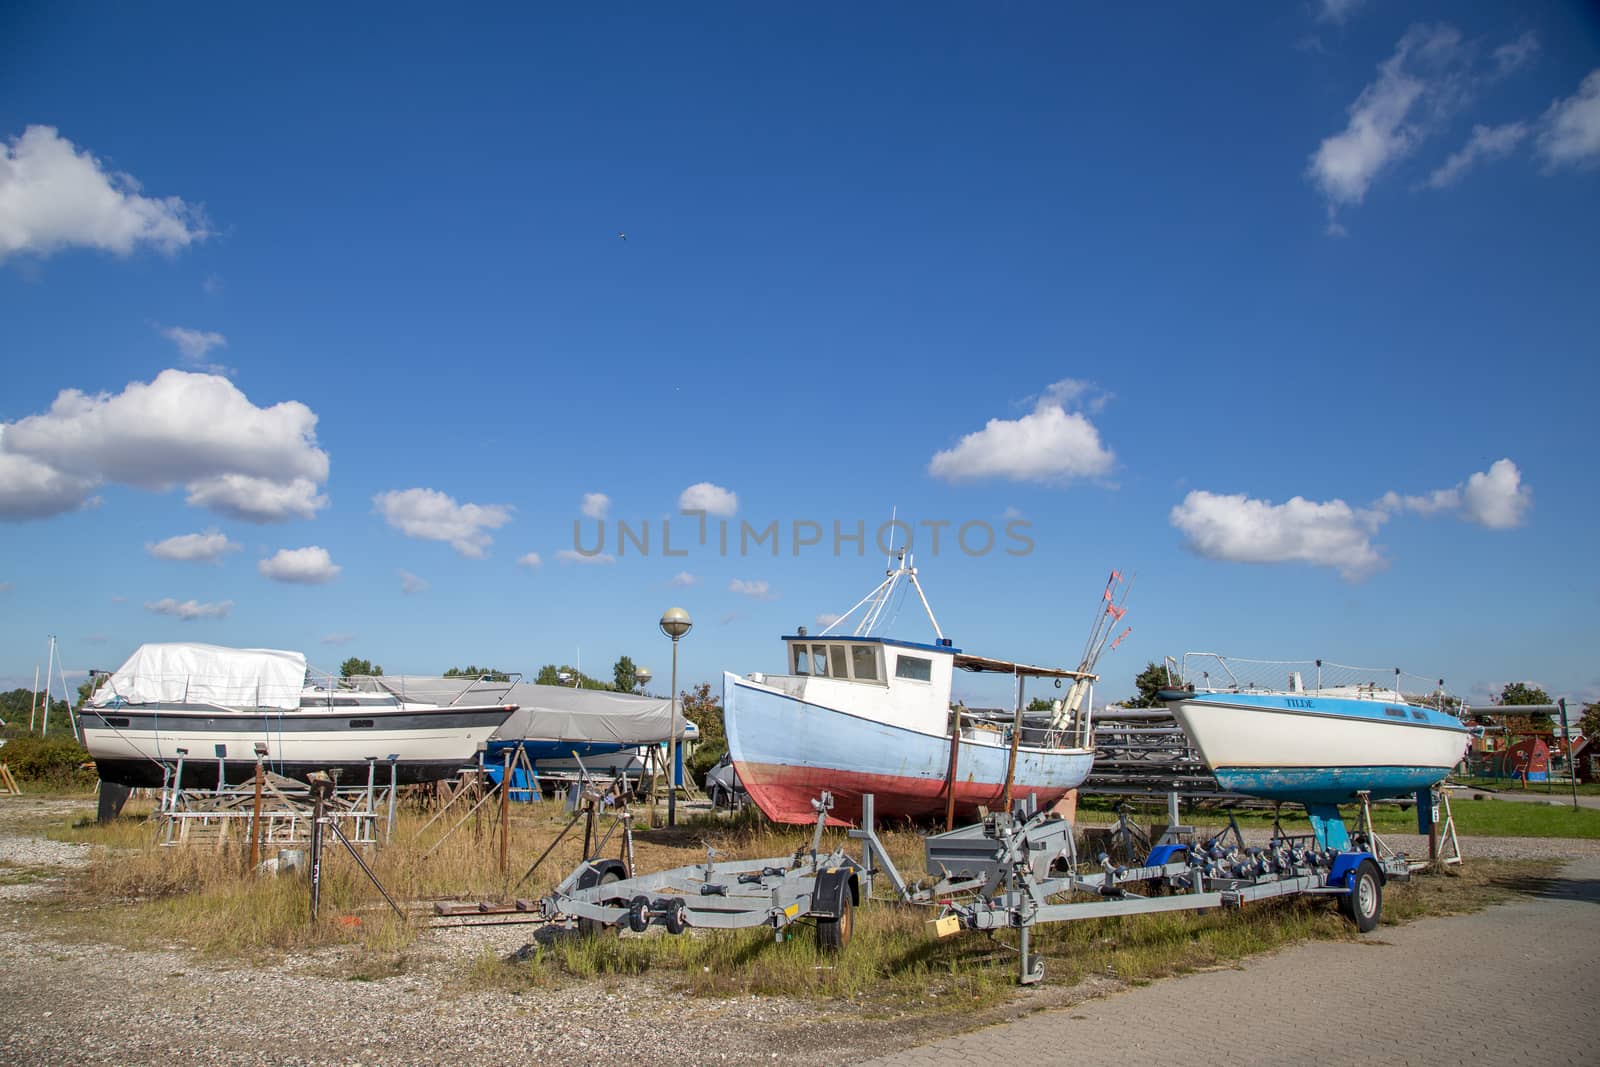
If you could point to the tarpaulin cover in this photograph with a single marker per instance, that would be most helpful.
(207, 674)
(546, 712)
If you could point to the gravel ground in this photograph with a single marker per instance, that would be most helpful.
(92, 1004)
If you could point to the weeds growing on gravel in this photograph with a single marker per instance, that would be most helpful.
(137, 890)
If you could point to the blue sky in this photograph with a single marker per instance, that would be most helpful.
(1289, 310)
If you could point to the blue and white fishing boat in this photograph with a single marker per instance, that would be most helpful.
(857, 712)
(1316, 745)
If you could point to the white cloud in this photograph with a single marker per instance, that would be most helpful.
(569, 555)
(1336, 10)
(410, 583)
(1387, 120)
(239, 496)
(683, 579)
(196, 429)
(709, 498)
(1050, 444)
(530, 560)
(52, 196)
(1514, 54)
(1238, 529)
(338, 639)
(208, 546)
(306, 566)
(189, 610)
(756, 590)
(1571, 133)
(32, 490)
(1486, 143)
(194, 344)
(1495, 498)
(595, 505)
(827, 619)
(432, 516)
(1434, 503)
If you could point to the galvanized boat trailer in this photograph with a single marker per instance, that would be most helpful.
(778, 892)
(1010, 871)
(1020, 869)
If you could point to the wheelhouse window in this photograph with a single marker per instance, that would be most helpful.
(802, 659)
(914, 667)
(819, 660)
(841, 669)
(864, 663)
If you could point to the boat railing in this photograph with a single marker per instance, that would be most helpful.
(1213, 672)
(446, 690)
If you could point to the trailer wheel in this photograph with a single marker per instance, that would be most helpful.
(1364, 903)
(677, 916)
(596, 927)
(833, 933)
(639, 914)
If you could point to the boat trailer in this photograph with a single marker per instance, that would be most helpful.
(1010, 871)
(1020, 869)
(777, 891)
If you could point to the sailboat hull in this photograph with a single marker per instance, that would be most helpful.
(789, 751)
(1315, 749)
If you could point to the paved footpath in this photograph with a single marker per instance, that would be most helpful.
(1481, 988)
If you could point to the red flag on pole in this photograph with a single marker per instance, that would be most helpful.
(1124, 633)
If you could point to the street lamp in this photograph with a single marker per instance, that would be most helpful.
(642, 675)
(675, 623)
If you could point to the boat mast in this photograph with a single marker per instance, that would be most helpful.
(903, 569)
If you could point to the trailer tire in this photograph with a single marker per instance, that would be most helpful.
(833, 933)
(676, 918)
(1364, 903)
(596, 927)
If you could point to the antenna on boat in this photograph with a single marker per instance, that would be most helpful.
(901, 567)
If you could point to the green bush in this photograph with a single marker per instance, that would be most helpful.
(51, 761)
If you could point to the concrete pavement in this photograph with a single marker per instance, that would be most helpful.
(1497, 986)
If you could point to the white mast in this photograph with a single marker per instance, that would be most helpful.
(47, 672)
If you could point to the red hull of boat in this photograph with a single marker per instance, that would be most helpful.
(785, 793)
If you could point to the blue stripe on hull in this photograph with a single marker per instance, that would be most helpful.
(1326, 785)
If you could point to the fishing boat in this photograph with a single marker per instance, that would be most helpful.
(858, 712)
(204, 715)
(1351, 731)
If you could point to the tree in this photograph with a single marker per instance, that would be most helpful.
(626, 675)
(1039, 704)
(550, 674)
(705, 711)
(489, 674)
(1589, 723)
(1148, 681)
(352, 666)
(1517, 693)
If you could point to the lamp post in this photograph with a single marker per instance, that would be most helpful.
(642, 675)
(675, 623)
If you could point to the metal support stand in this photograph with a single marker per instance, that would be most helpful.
(1444, 847)
(320, 788)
